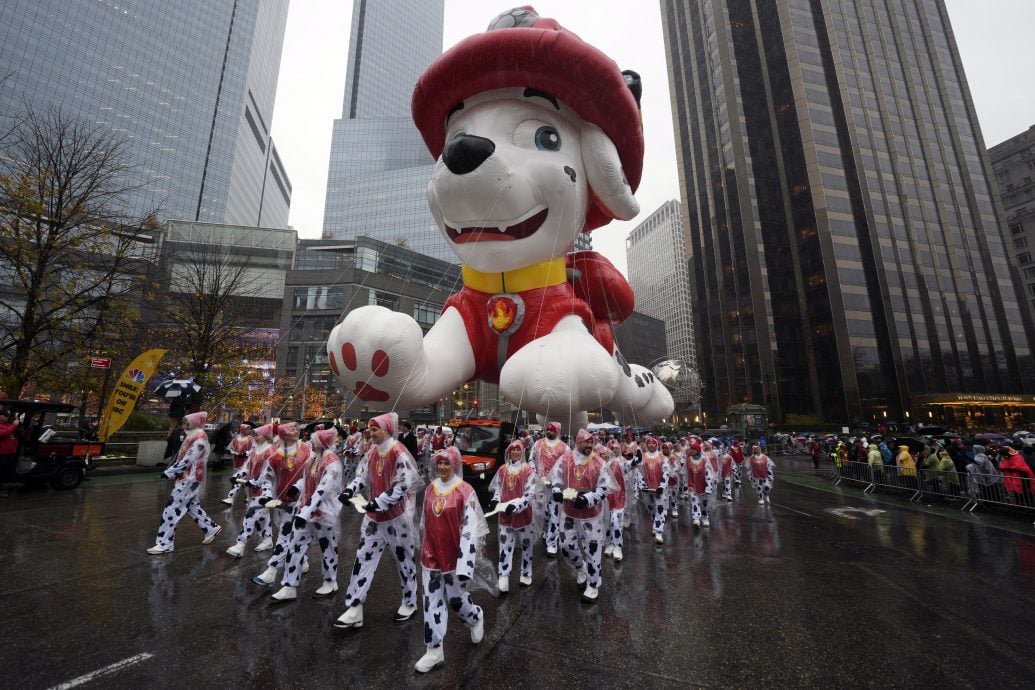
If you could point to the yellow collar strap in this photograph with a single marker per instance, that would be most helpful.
(541, 275)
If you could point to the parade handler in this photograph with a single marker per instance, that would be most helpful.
(652, 478)
(545, 454)
(390, 474)
(762, 471)
(514, 484)
(288, 460)
(257, 476)
(580, 481)
(240, 450)
(188, 471)
(453, 530)
(316, 518)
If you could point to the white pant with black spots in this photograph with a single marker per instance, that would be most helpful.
(233, 491)
(375, 536)
(552, 523)
(326, 535)
(442, 590)
(656, 509)
(736, 473)
(671, 498)
(182, 501)
(700, 505)
(283, 539)
(509, 537)
(256, 519)
(582, 543)
(763, 487)
(615, 537)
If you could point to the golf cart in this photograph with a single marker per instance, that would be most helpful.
(42, 455)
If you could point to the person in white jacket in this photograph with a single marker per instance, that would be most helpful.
(316, 518)
(255, 475)
(189, 472)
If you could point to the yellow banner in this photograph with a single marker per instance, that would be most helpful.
(127, 391)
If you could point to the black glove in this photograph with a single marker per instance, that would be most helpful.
(558, 496)
(660, 490)
(580, 502)
(299, 522)
(511, 509)
(636, 462)
(492, 505)
(371, 507)
(292, 493)
(345, 495)
(264, 500)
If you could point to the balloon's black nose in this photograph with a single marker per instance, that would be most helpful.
(465, 152)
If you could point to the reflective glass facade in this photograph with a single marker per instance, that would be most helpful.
(190, 85)
(659, 276)
(379, 167)
(845, 249)
(1013, 162)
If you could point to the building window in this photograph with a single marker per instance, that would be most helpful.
(317, 297)
(1020, 242)
(1024, 258)
(426, 314)
(384, 299)
(1016, 228)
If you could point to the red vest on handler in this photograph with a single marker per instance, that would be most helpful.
(581, 478)
(443, 516)
(381, 475)
(616, 499)
(287, 468)
(239, 448)
(695, 474)
(546, 454)
(258, 459)
(312, 478)
(759, 466)
(513, 486)
(653, 470)
(199, 467)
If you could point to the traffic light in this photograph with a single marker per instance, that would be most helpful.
(474, 403)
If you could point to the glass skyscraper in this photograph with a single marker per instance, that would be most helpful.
(379, 166)
(845, 246)
(190, 86)
(658, 273)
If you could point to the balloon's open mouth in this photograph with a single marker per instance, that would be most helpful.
(498, 233)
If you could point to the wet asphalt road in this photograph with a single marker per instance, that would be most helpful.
(790, 595)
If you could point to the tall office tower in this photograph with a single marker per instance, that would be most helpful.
(660, 279)
(189, 85)
(1013, 162)
(379, 166)
(845, 248)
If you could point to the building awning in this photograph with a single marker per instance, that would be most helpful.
(976, 399)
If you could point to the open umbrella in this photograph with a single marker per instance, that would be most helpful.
(179, 392)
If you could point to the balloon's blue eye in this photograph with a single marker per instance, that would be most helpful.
(547, 139)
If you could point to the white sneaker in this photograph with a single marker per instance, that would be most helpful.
(352, 618)
(431, 659)
(404, 613)
(581, 576)
(697, 523)
(675, 513)
(328, 588)
(478, 631)
(590, 594)
(761, 501)
(211, 537)
(737, 482)
(156, 550)
(767, 500)
(608, 550)
(237, 550)
(504, 584)
(551, 551)
(264, 545)
(705, 522)
(617, 555)
(305, 565)
(266, 578)
(658, 539)
(727, 497)
(229, 501)
(285, 594)
(526, 581)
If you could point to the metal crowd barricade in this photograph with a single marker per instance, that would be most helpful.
(1007, 490)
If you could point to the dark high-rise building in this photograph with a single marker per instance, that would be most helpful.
(189, 86)
(1013, 162)
(844, 241)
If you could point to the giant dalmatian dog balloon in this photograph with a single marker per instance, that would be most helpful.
(538, 137)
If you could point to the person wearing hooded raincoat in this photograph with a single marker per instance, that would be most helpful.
(982, 477)
(288, 459)
(652, 477)
(240, 448)
(390, 475)
(545, 454)
(699, 484)
(906, 467)
(671, 496)
(876, 462)
(188, 471)
(515, 481)
(763, 471)
(256, 475)
(1018, 479)
(620, 469)
(316, 517)
(453, 531)
(947, 473)
(583, 531)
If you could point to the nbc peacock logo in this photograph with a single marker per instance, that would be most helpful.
(137, 375)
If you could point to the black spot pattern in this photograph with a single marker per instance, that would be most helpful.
(570, 172)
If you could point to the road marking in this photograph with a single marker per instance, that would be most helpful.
(106, 671)
(799, 512)
(843, 512)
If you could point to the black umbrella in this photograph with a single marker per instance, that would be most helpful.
(180, 393)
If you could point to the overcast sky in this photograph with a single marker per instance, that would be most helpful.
(994, 37)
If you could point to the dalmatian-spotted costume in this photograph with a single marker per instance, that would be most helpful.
(674, 462)
(257, 476)
(545, 454)
(620, 470)
(453, 529)
(316, 517)
(390, 474)
(515, 481)
(652, 477)
(531, 316)
(699, 483)
(723, 469)
(288, 460)
(762, 470)
(737, 455)
(240, 449)
(188, 471)
(584, 528)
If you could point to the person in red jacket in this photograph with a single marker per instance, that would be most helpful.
(240, 448)
(453, 530)
(1018, 479)
(8, 445)
(515, 481)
